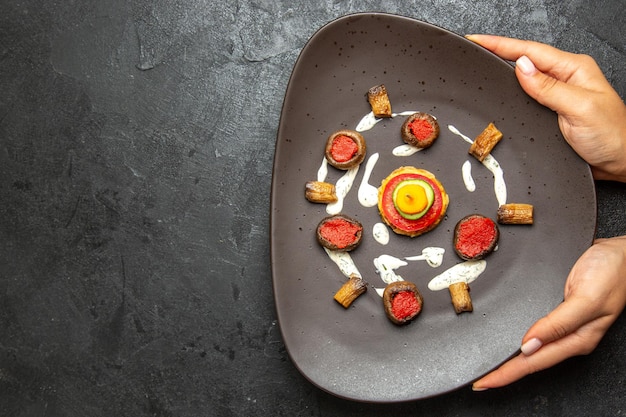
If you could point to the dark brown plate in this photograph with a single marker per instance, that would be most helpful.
(358, 353)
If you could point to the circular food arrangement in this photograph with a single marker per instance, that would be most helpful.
(411, 202)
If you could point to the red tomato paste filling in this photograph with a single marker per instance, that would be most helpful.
(404, 304)
(340, 232)
(421, 128)
(396, 218)
(343, 148)
(475, 235)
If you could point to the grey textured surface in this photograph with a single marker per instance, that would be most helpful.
(136, 146)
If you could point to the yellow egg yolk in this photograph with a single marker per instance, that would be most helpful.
(411, 198)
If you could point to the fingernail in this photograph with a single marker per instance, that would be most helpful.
(531, 346)
(525, 65)
(479, 389)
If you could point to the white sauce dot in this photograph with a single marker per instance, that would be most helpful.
(466, 171)
(381, 233)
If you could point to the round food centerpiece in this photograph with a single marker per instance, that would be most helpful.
(412, 201)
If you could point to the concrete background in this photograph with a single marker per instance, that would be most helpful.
(136, 146)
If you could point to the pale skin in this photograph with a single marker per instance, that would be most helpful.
(592, 118)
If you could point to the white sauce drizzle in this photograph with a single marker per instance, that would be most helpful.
(341, 189)
(456, 132)
(369, 120)
(466, 171)
(498, 178)
(492, 165)
(386, 266)
(368, 194)
(322, 172)
(381, 233)
(464, 272)
(344, 261)
(405, 150)
(406, 113)
(432, 255)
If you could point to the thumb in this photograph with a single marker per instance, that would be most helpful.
(549, 91)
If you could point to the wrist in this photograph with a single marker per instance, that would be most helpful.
(614, 168)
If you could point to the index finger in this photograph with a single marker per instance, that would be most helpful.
(562, 65)
(521, 365)
(511, 49)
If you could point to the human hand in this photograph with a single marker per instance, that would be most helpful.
(595, 295)
(591, 115)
